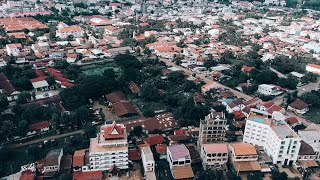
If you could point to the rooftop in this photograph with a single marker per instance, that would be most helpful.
(215, 148)
(242, 149)
(179, 151)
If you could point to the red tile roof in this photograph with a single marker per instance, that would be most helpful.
(6, 85)
(298, 104)
(27, 175)
(134, 155)
(38, 125)
(110, 128)
(292, 120)
(116, 96)
(78, 158)
(154, 140)
(247, 68)
(88, 175)
(161, 148)
(123, 109)
(41, 78)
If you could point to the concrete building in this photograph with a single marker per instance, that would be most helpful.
(74, 31)
(148, 163)
(278, 140)
(52, 162)
(212, 128)
(179, 160)
(214, 156)
(109, 150)
(268, 90)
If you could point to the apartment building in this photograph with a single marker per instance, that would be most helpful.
(179, 160)
(74, 31)
(212, 129)
(279, 141)
(148, 163)
(109, 150)
(214, 156)
(310, 145)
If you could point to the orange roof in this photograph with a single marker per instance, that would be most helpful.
(69, 29)
(164, 48)
(182, 172)
(241, 149)
(314, 66)
(108, 132)
(78, 157)
(215, 148)
(140, 37)
(89, 175)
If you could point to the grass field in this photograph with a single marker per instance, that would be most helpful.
(99, 69)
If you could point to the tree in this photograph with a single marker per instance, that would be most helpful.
(137, 131)
(210, 63)
(148, 112)
(309, 77)
(51, 80)
(289, 83)
(24, 97)
(176, 77)
(147, 51)
(311, 98)
(276, 175)
(255, 176)
(266, 77)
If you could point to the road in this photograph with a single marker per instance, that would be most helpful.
(46, 138)
(207, 80)
(235, 92)
(308, 87)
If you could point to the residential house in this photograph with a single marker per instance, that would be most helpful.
(40, 83)
(52, 162)
(179, 160)
(235, 105)
(214, 156)
(7, 88)
(299, 107)
(80, 160)
(38, 128)
(269, 90)
(314, 68)
(278, 140)
(71, 31)
(13, 49)
(71, 58)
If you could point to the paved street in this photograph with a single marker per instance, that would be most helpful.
(205, 79)
(46, 138)
(308, 87)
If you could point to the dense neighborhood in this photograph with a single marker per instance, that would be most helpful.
(159, 89)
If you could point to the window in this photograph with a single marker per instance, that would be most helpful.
(282, 142)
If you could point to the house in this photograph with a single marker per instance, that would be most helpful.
(270, 107)
(71, 58)
(207, 87)
(214, 156)
(293, 121)
(38, 128)
(314, 68)
(13, 49)
(40, 83)
(244, 157)
(235, 105)
(148, 163)
(179, 160)
(73, 31)
(310, 145)
(299, 107)
(52, 162)
(269, 90)
(7, 88)
(80, 160)
(154, 140)
(253, 102)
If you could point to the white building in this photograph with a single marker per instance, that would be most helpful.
(148, 163)
(279, 141)
(312, 139)
(214, 156)
(53, 160)
(13, 49)
(179, 160)
(268, 90)
(314, 68)
(110, 148)
(74, 31)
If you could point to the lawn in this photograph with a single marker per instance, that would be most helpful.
(99, 69)
(314, 115)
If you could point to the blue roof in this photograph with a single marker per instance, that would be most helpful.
(259, 120)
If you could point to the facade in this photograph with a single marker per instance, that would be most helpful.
(278, 140)
(13, 49)
(214, 156)
(212, 128)
(179, 160)
(110, 148)
(74, 31)
(148, 163)
(268, 90)
(53, 160)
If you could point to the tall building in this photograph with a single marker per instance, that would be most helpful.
(109, 151)
(214, 156)
(212, 129)
(279, 141)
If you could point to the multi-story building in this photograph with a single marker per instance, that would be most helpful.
(74, 31)
(212, 129)
(310, 145)
(214, 156)
(109, 150)
(148, 163)
(179, 160)
(279, 141)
